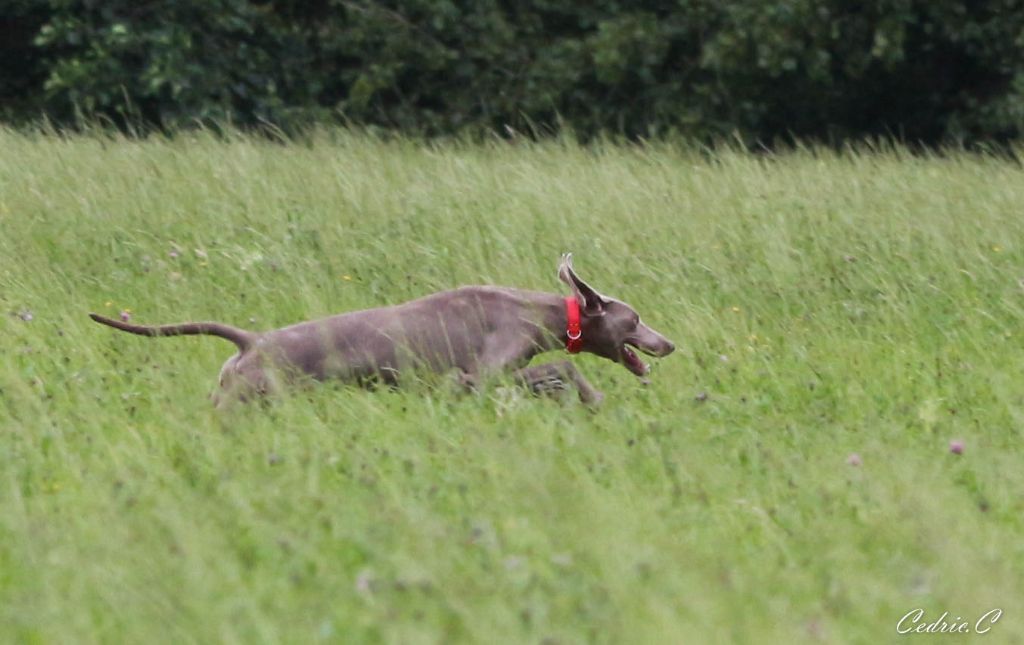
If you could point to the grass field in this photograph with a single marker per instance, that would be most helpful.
(824, 305)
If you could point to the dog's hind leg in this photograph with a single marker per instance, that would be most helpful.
(244, 378)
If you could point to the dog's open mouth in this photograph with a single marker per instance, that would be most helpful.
(633, 362)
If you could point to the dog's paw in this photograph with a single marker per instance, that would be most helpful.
(551, 386)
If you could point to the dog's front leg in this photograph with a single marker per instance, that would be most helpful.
(553, 378)
(464, 381)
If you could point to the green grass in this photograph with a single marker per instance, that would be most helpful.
(867, 302)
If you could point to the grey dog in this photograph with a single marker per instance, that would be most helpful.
(472, 332)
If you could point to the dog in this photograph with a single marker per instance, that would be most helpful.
(472, 332)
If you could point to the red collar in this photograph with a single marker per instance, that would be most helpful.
(574, 341)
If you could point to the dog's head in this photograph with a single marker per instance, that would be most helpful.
(611, 328)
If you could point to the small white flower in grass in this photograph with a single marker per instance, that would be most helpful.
(364, 581)
(562, 559)
(26, 315)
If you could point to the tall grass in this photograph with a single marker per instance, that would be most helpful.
(824, 305)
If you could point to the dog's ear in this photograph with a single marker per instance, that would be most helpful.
(591, 302)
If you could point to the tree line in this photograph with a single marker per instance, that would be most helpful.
(928, 71)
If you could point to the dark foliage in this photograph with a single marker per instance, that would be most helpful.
(922, 70)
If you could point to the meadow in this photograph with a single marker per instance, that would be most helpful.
(840, 319)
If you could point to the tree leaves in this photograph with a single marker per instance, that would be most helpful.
(929, 71)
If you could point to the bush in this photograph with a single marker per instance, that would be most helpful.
(923, 71)
(22, 72)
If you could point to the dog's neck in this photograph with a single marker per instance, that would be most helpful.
(553, 321)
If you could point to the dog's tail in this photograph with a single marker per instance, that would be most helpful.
(243, 339)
